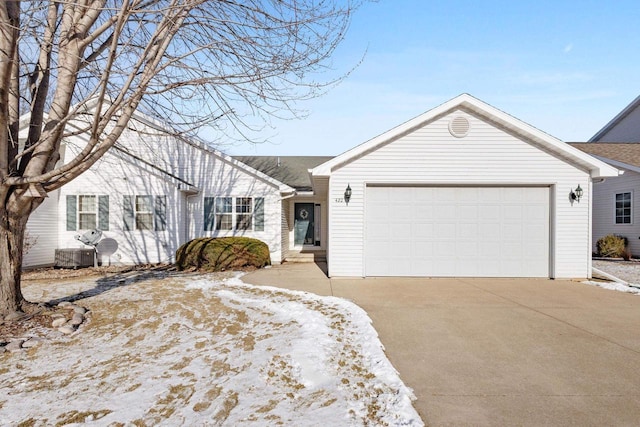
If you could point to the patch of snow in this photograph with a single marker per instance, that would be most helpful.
(198, 351)
(614, 286)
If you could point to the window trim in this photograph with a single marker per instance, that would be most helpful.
(101, 212)
(615, 208)
(157, 209)
(239, 207)
(93, 212)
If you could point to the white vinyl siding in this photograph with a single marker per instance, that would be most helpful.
(42, 232)
(285, 228)
(487, 156)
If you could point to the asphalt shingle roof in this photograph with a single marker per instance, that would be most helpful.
(625, 152)
(290, 170)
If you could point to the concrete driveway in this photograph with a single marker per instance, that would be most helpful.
(498, 351)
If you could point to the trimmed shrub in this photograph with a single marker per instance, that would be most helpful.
(223, 253)
(612, 246)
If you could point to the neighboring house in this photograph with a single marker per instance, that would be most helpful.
(616, 200)
(624, 127)
(462, 190)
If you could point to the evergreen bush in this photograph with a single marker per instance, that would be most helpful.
(223, 253)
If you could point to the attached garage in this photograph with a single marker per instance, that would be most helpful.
(462, 190)
(457, 231)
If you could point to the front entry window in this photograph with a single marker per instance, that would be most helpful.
(303, 233)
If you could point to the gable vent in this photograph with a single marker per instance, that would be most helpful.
(459, 127)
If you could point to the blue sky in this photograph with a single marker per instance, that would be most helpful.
(566, 67)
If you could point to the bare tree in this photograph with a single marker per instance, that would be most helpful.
(190, 62)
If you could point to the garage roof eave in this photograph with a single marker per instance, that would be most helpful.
(596, 167)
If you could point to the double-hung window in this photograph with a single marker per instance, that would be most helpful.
(224, 213)
(623, 208)
(87, 212)
(234, 213)
(145, 212)
(244, 213)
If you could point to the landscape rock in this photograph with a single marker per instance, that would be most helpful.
(13, 316)
(65, 304)
(58, 322)
(67, 329)
(77, 319)
(79, 310)
(15, 345)
(31, 342)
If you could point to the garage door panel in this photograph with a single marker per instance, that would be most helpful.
(465, 231)
(467, 213)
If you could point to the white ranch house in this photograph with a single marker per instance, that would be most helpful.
(462, 190)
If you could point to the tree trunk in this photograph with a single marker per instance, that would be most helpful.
(12, 230)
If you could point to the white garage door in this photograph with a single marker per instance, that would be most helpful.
(457, 231)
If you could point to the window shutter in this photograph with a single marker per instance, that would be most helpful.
(160, 213)
(209, 217)
(258, 224)
(72, 213)
(103, 213)
(127, 211)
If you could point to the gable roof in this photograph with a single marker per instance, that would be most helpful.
(162, 127)
(616, 120)
(597, 168)
(290, 170)
(618, 154)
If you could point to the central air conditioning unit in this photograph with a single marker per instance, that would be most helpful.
(74, 258)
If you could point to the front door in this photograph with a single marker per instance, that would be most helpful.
(303, 227)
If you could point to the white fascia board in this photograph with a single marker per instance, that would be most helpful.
(596, 167)
(618, 164)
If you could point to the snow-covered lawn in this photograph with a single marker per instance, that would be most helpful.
(205, 350)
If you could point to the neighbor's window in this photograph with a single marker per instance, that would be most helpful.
(623, 208)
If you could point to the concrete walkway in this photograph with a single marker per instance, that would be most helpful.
(498, 351)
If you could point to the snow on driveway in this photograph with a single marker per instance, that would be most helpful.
(197, 351)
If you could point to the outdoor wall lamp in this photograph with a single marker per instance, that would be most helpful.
(576, 194)
(347, 194)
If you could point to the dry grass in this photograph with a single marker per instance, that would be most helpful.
(158, 333)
